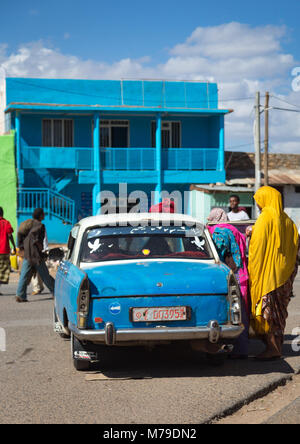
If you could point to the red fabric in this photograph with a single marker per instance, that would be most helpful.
(5, 231)
(166, 206)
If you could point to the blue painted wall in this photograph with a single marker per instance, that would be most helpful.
(112, 93)
(196, 131)
(57, 232)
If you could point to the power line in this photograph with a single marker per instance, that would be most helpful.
(285, 101)
(236, 99)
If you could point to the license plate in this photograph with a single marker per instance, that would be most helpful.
(159, 314)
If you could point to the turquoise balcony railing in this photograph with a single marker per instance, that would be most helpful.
(57, 157)
(130, 159)
(206, 159)
(120, 159)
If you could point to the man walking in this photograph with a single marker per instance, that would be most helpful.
(31, 243)
(6, 236)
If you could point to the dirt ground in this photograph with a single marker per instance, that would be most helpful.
(262, 409)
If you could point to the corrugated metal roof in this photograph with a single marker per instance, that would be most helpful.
(276, 177)
(212, 188)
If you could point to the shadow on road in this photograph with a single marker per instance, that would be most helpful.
(178, 362)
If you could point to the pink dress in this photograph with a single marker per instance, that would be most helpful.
(243, 272)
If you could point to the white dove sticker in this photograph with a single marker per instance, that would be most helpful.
(199, 243)
(94, 246)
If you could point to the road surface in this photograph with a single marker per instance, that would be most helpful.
(40, 385)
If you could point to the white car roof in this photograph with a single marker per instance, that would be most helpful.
(105, 219)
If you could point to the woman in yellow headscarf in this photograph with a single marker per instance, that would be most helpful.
(272, 270)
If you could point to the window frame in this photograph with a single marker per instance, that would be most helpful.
(63, 120)
(111, 123)
(169, 128)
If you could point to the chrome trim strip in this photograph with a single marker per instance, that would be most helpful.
(160, 333)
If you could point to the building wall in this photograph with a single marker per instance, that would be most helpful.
(162, 94)
(8, 180)
(292, 203)
(2, 102)
(222, 200)
(196, 132)
(202, 203)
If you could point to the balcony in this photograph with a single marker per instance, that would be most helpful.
(121, 159)
(52, 157)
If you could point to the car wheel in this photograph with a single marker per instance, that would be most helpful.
(76, 347)
(81, 365)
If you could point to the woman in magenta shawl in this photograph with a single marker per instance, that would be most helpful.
(220, 219)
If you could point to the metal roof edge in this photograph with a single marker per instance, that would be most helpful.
(19, 106)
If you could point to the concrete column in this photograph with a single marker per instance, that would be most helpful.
(158, 187)
(221, 162)
(97, 165)
(18, 147)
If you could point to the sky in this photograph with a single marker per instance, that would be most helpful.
(243, 47)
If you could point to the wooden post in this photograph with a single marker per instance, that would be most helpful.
(257, 143)
(266, 180)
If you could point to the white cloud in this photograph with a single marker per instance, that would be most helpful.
(231, 40)
(240, 58)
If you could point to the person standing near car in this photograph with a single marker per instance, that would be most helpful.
(236, 213)
(6, 236)
(273, 265)
(31, 243)
(231, 247)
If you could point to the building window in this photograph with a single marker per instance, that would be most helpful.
(170, 134)
(114, 133)
(57, 132)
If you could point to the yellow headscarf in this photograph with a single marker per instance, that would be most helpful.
(272, 252)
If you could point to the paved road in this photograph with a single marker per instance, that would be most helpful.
(39, 384)
(288, 415)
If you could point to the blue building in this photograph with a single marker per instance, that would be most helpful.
(75, 138)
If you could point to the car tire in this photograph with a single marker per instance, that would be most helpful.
(79, 364)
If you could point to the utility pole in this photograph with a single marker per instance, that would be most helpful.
(257, 142)
(266, 181)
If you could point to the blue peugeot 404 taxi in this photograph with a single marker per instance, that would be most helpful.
(143, 279)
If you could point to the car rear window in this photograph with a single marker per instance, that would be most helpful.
(125, 243)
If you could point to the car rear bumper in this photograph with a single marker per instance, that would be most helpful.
(111, 336)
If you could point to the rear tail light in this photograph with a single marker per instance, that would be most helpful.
(234, 296)
(83, 304)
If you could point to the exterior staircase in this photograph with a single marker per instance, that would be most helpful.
(59, 211)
